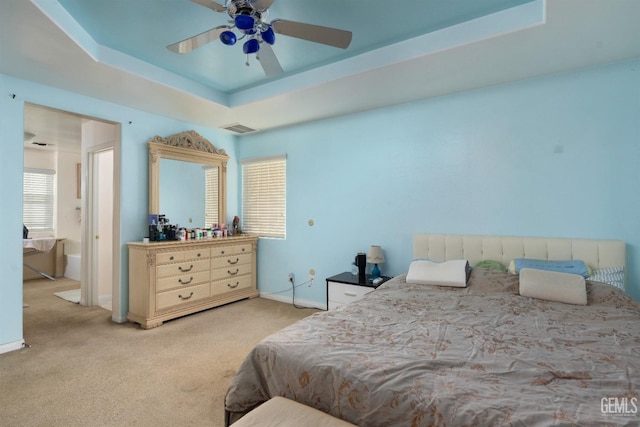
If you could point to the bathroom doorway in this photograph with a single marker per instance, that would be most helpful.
(95, 194)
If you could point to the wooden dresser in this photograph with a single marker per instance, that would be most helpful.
(173, 279)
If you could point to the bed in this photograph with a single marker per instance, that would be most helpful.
(482, 355)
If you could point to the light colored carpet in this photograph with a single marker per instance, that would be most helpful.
(73, 296)
(81, 369)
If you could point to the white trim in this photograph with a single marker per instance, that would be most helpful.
(262, 159)
(299, 302)
(12, 346)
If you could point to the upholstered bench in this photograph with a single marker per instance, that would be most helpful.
(281, 412)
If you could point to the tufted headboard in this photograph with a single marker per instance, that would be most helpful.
(476, 248)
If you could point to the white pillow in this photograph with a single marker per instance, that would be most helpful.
(553, 286)
(449, 273)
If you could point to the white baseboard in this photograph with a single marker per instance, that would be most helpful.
(11, 346)
(299, 302)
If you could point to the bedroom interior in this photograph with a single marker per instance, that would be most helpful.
(488, 126)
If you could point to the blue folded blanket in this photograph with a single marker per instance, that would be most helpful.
(573, 266)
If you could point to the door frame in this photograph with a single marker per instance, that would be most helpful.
(89, 290)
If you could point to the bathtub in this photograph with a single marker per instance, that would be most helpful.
(72, 260)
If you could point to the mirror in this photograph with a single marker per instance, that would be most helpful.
(187, 180)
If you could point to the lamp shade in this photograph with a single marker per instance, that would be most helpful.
(228, 38)
(245, 22)
(251, 46)
(375, 255)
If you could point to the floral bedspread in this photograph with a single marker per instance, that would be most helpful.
(417, 355)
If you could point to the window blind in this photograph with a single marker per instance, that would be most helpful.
(38, 199)
(211, 195)
(264, 196)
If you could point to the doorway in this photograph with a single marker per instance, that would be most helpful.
(96, 143)
(100, 221)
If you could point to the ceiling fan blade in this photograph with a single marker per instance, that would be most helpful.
(269, 61)
(313, 33)
(211, 5)
(201, 39)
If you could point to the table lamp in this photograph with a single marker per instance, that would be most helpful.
(375, 257)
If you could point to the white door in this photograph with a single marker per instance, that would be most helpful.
(104, 227)
(101, 205)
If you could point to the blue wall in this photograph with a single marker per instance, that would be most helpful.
(554, 157)
(134, 172)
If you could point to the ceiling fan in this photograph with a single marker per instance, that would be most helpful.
(248, 18)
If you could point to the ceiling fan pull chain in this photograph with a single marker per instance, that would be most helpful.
(247, 63)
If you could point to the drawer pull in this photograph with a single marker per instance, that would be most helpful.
(222, 252)
(171, 258)
(186, 283)
(184, 270)
(233, 286)
(199, 254)
(234, 273)
(185, 298)
(350, 294)
(233, 262)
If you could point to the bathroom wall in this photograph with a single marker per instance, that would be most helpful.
(66, 215)
(68, 204)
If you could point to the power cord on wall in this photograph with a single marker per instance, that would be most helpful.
(293, 287)
(291, 280)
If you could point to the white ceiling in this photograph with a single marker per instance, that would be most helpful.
(89, 50)
(51, 130)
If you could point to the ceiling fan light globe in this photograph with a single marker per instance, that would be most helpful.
(228, 37)
(268, 36)
(251, 46)
(245, 22)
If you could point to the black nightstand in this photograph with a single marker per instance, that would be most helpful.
(344, 288)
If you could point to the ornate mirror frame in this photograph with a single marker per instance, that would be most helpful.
(187, 146)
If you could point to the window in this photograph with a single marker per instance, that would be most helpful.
(211, 195)
(38, 199)
(264, 196)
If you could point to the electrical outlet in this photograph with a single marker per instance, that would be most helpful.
(312, 276)
(292, 277)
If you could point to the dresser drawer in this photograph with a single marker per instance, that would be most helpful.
(229, 285)
(179, 256)
(231, 250)
(230, 272)
(230, 261)
(342, 293)
(181, 281)
(172, 279)
(181, 268)
(182, 296)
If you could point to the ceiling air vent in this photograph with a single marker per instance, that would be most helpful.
(239, 129)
